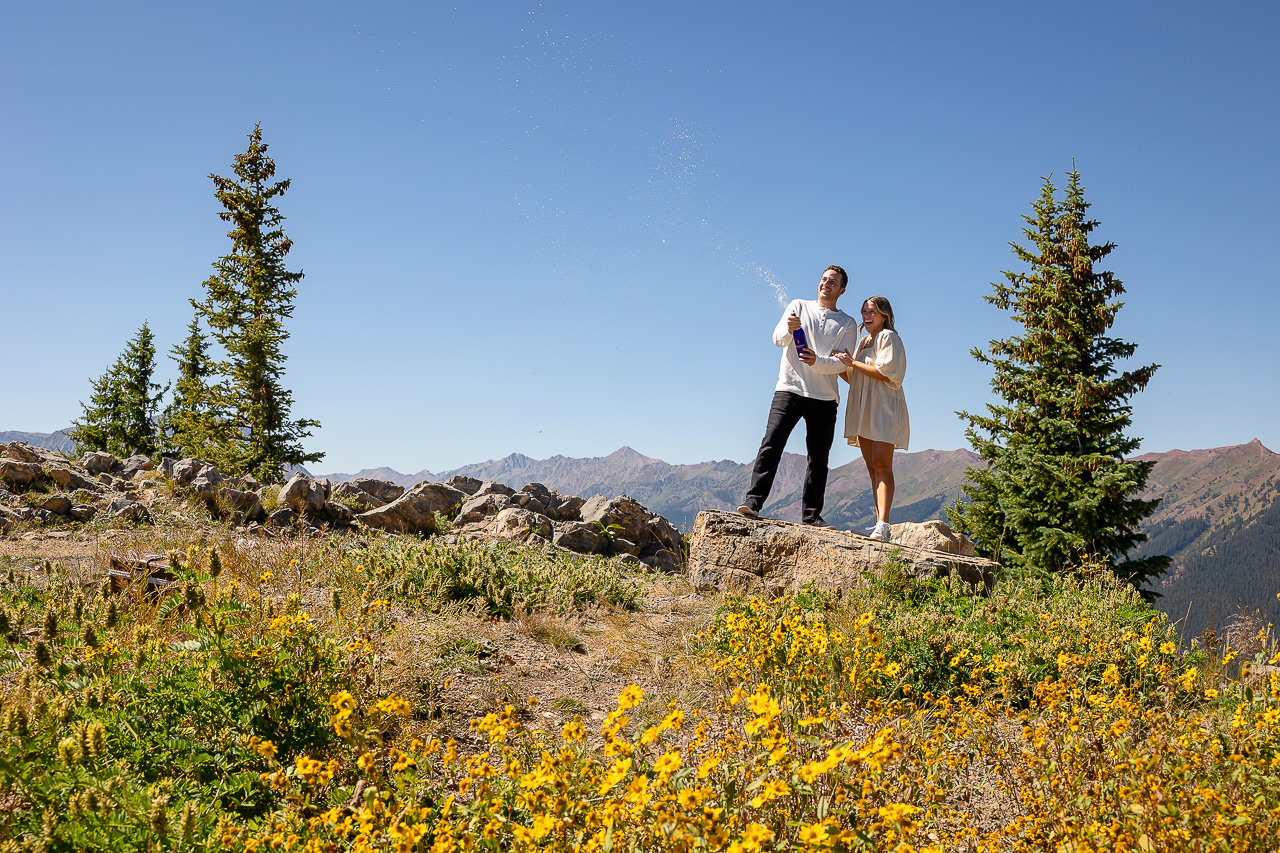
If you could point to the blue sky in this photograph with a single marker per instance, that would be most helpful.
(555, 228)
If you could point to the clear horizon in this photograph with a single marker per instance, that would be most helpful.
(560, 228)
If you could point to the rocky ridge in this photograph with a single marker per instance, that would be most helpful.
(41, 487)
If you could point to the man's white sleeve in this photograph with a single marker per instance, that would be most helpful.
(781, 334)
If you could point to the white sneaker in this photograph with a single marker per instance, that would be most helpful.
(880, 531)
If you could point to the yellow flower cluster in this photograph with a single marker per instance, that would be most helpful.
(819, 746)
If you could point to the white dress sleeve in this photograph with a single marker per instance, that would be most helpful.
(891, 358)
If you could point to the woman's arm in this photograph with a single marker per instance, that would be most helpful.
(869, 370)
(862, 367)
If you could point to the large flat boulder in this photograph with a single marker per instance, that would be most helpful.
(20, 474)
(383, 490)
(765, 557)
(304, 495)
(932, 535)
(414, 511)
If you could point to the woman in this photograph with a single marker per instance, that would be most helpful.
(875, 419)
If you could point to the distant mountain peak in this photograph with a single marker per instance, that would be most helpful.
(1255, 446)
(625, 454)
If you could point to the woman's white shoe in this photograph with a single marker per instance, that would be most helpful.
(880, 531)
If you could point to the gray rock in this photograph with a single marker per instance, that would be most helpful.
(166, 468)
(414, 511)
(128, 510)
(282, 517)
(520, 525)
(663, 561)
(303, 495)
(556, 506)
(82, 512)
(206, 485)
(68, 479)
(580, 537)
(341, 513)
(246, 502)
(492, 487)
(353, 496)
(650, 531)
(20, 451)
(39, 514)
(61, 504)
(481, 507)
(467, 485)
(524, 500)
(186, 470)
(381, 489)
(20, 474)
(762, 557)
(135, 465)
(934, 535)
(98, 462)
(618, 545)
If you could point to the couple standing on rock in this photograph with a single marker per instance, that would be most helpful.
(875, 419)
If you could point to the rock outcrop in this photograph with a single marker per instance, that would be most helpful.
(415, 510)
(99, 484)
(931, 535)
(763, 557)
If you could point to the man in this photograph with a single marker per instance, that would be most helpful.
(808, 390)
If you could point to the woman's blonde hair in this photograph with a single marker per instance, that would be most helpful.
(882, 305)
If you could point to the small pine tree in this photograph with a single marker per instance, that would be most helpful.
(249, 297)
(120, 417)
(193, 424)
(1057, 485)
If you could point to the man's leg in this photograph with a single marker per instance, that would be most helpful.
(784, 414)
(819, 430)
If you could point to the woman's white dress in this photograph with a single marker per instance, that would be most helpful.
(878, 410)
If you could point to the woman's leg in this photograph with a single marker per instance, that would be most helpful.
(879, 458)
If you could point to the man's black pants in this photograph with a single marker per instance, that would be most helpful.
(819, 427)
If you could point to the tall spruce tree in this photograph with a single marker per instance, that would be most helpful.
(120, 417)
(247, 300)
(1057, 486)
(193, 424)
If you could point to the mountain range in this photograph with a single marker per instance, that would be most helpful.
(1219, 514)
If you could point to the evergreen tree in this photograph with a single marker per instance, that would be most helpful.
(193, 424)
(121, 415)
(248, 298)
(1056, 485)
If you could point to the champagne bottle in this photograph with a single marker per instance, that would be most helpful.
(802, 343)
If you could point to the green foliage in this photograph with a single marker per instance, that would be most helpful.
(947, 638)
(193, 424)
(123, 727)
(1056, 485)
(499, 579)
(248, 298)
(120, 417)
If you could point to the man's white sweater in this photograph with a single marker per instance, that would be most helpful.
(827, 331)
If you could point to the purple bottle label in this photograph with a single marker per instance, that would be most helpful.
(801, 342)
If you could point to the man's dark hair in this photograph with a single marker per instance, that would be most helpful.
(844, 276)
